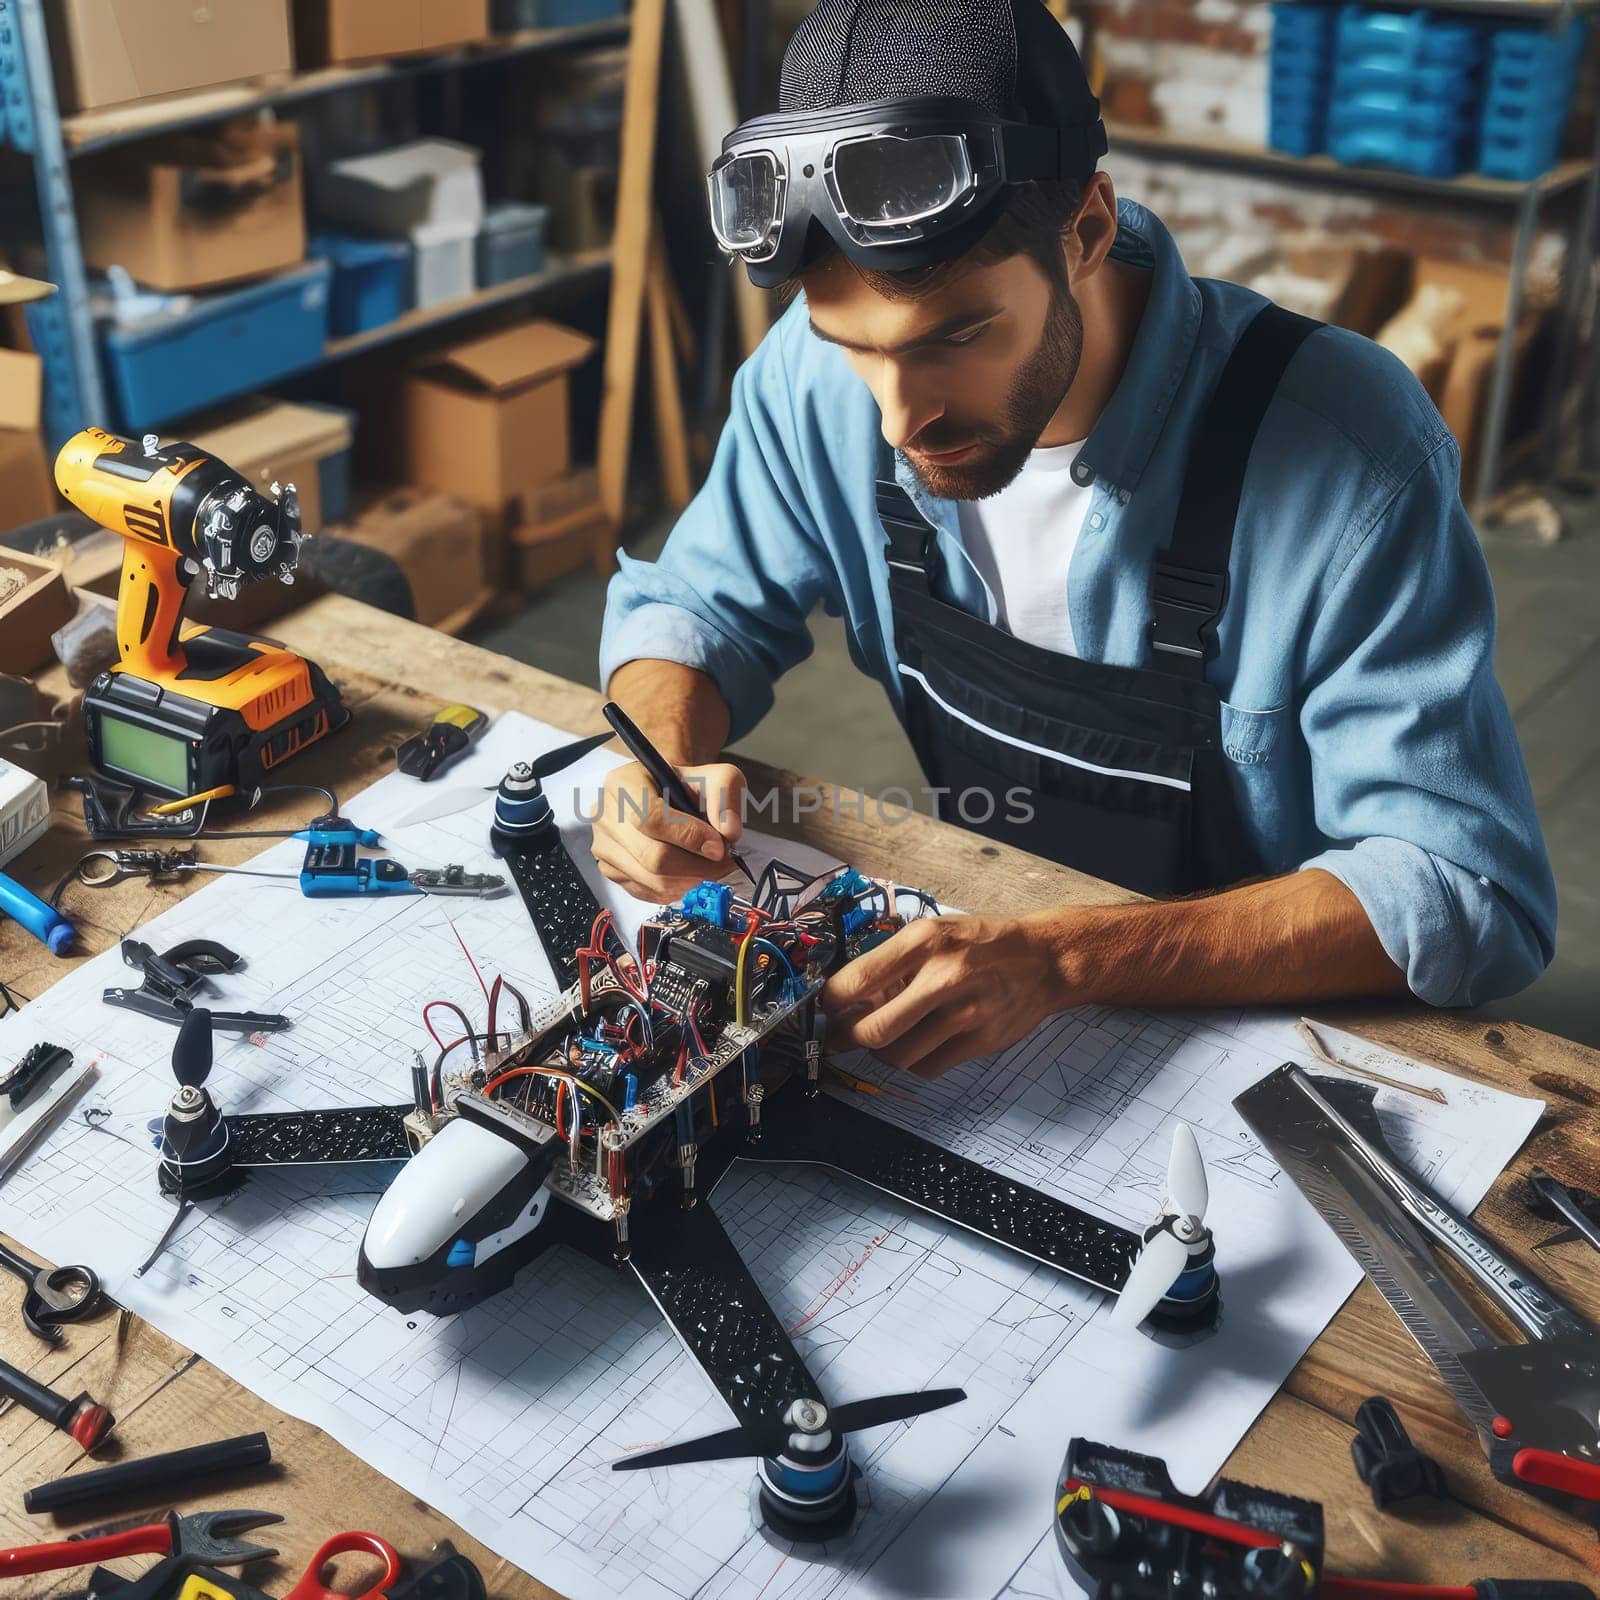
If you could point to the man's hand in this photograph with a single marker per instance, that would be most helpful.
(657, 853)
(945, 989)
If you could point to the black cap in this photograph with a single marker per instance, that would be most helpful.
(1011, 57)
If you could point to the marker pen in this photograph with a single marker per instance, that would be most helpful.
(44, 922)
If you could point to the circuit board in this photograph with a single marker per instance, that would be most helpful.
(630, 1066)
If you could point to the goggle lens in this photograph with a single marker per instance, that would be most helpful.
(744, 201)
(888, 180)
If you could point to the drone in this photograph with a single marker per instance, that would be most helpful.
(604, 1120)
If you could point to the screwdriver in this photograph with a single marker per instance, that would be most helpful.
(661, 772)
(86, 1420)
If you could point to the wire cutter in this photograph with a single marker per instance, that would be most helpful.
(204, 1536)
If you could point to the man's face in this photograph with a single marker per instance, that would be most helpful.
(966, 377)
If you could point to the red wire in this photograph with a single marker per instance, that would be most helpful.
(470, 962)
(1337, 1588)
(429, 1025)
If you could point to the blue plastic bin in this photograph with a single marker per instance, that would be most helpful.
(1428, 156)
(511, 242)
(1449, 85)
(1293, 130)
(1528, 93)
(223, 345)
(1413, 38)
(510, 15)
(1407, 114)
(1300, 64)
(371, 280)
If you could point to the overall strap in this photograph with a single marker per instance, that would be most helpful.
(1189, 579)
(912, 551)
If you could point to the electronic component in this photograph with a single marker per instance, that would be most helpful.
(1127, 1533)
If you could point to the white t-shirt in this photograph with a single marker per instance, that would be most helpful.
(1022, 540)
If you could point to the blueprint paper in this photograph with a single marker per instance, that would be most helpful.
(507, 1418)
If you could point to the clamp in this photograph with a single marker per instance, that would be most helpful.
(172, 979)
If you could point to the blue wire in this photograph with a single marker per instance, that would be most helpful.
(788, 966)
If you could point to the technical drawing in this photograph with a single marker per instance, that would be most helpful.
(508, 1416)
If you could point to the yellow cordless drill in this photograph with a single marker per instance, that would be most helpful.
(191, 710)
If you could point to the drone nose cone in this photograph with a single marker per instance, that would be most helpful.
(439, 1195)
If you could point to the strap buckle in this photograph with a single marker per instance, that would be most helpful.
(1185, 605)
(912, 551)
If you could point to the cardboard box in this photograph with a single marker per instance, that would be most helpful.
(487, 421)
(1367, 286)
(34, 602)
(27, 490)
(393, 191)
(197, 211)
(436, 543)
(276, 441)
(1464, 394)
(108, 51)
(329, 31)
(544, 554)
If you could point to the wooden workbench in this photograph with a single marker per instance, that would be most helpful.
(394, 674)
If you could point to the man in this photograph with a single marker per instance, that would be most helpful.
(1180, 584)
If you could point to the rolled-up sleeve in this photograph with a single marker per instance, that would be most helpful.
(1418, 780)
(743, 566)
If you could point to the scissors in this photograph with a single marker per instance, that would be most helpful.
(178, 1579)
(311, 1587)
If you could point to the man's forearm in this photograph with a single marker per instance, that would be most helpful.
(681, 711)
(1293, 939)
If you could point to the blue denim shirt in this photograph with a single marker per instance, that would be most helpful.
(1366, 732)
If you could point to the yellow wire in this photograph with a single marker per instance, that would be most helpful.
(738, 982)
(556, 1072)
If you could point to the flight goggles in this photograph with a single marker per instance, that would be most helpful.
(894, 183)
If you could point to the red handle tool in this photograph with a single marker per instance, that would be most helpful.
(311, 1587)
(205, 1535)
(153, 1540)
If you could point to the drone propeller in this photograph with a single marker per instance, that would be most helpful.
(449, 801)
(769, 1436)
(1165, 1255)
(191, 1055)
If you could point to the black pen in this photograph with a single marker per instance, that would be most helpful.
(661, 771)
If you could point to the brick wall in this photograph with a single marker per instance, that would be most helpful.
(1198, 68)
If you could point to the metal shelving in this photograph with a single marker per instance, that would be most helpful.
(1239, 156)
(1552, 13)
(1524, 200)
(62, 326)
(88, 131)
(561, 269)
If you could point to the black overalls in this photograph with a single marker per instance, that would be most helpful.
(1118, 771)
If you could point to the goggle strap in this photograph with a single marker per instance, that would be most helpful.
(1044, 153)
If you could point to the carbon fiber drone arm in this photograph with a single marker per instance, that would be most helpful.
(699, 1280)
(831, 1132)
(318, 1138)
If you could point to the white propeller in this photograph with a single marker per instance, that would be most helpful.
(1164, 1257)
(446, 802)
